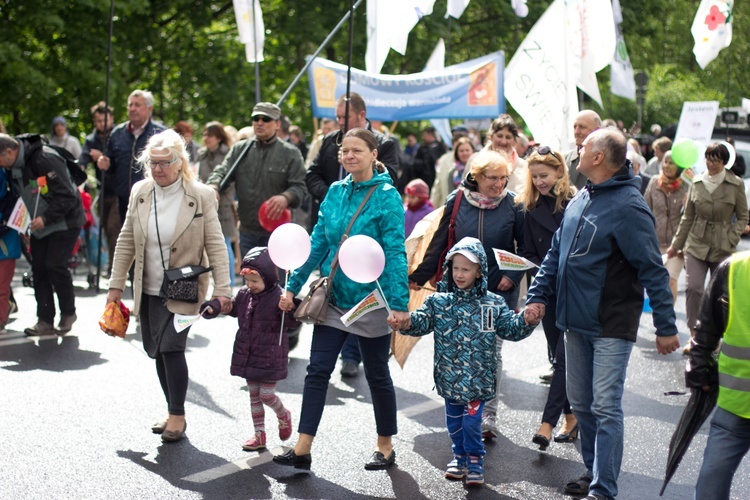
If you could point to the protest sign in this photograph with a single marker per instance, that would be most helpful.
(372, 302)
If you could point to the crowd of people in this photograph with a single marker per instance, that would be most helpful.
(604, 226)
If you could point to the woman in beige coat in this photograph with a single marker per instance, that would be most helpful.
(171, 222)
(715, 216)
(665, 196)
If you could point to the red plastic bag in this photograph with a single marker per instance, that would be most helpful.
(115, 320)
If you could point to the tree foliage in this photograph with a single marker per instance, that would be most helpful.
(54, 56)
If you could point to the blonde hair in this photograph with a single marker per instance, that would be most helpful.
(563, 191)
(485, 160)
(175, 145)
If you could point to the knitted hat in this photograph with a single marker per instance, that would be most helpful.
(418, 188)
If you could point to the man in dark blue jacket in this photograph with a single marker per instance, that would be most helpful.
(601, 258)
(126, 143)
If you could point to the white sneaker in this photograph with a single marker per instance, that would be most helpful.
(489, 426)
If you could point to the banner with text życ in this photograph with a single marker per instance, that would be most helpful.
(473, 89)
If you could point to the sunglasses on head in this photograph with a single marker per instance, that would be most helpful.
(546, 150)
(264, 118)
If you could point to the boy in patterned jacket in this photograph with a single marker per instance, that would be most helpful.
(466, 319)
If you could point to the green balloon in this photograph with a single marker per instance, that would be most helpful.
(684, 153)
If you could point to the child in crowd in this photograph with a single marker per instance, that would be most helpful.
(260, 348)
(466, 319)
(417, 204)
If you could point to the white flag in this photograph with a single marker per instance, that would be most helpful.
(591, 42)
(456, 8)
(19, 218)
(538, 83)
(251, 28)
(508, 261)
(621, 75)
(434, 63)
(712, 29)
(181, 321)
(372, 302)
(388, 25)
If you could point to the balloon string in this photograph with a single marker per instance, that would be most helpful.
(387, 307)
(283, 313)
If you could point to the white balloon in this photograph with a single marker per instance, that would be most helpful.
(362, 259)
(522, 10)
(732, 154)
(289, 246)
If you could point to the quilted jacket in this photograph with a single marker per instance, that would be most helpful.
(466, 325)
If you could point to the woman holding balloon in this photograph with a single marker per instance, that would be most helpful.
(382, 219)
(714, 218)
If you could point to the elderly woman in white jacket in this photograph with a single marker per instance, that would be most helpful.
(172, 222)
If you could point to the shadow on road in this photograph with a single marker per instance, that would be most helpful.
(55, 354)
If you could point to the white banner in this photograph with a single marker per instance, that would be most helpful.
(508, 261)
(697, 121)
(712, 29)
(621, 75)
(181, 322)
(372, 302)
(252, 34)
(19, 217)
(389, 23)
(538, 84)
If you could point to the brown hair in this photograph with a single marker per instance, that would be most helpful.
(459, 141)
(217, 130)
(563, 191)
(501, 122)
(371, 141)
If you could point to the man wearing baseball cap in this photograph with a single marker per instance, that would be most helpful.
(268, 170)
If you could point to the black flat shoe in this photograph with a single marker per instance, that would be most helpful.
(542, 441)
(567, 437)
(380, 462)
(291, 459)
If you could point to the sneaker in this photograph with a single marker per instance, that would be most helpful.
(456, 468)
(285, 426)
(41, 328)
(257, 442)
(66, 323)
(12, 306)
(475, 473)
(489, 426)
(349, 369)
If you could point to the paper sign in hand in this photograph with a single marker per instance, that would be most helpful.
(19, 217)
(508, 261)
(181, 322)
(372, 302)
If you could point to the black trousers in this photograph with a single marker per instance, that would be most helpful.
(49, 263)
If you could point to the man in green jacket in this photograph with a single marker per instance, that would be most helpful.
(268, 170)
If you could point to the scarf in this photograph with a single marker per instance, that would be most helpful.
(458, 174)
(477, 199)
(668, 185)
(712, 182)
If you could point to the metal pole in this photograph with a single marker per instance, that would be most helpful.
(255, 55)
(349, 64)
(315, 54)
(106, 125)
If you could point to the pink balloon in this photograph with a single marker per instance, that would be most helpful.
(289, 246)
(362, 259)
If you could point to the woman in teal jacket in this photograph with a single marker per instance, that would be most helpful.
(382, 218)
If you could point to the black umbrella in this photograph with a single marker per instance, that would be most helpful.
(697, 410)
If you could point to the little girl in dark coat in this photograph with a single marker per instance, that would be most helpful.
(260, 348)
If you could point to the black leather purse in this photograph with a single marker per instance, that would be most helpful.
(179, 283)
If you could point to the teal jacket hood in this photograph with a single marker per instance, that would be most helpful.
(447, 284)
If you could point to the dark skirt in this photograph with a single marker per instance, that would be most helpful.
(157, 328)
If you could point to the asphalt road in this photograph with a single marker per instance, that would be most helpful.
(77, 413)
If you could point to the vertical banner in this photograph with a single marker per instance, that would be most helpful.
(473, 89)
(712, 29)
(621, 75)
(251, 28)
(389, 23)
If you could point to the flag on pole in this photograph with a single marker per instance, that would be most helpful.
(456, 8)
(621, 75)
(591, 42)
(437, 62)
(251, 28)
(388, 25)
(712, 29)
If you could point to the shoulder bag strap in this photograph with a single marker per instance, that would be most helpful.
(156, 221)
(335, 263)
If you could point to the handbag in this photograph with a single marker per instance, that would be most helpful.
(314, 306)
(179, 283)
(451, 235)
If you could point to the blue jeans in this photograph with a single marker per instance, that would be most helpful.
(465, 430)
(230, 254)
(249, 241)
(728, 442)
(596, 369)
(325, 348)
(350, 351)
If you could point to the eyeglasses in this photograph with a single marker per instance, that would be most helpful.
(264, 118)
(494, 178)
(713, 160)
(163, 164)
(546, 150)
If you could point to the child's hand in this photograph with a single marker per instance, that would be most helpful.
(286, 302)
(399, 320)
(533, 313)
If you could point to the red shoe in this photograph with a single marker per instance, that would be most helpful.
(285, 426)
(257, 442)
